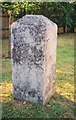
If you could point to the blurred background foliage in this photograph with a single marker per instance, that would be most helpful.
(62, 13)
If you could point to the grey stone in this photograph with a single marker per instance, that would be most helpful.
(33, 41)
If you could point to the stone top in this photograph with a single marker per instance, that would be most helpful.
(37, 24)
(33, 20)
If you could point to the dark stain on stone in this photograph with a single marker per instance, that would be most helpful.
(20, 48)
(20, 93)
(40, 100)
(32, 93)
(21, 54)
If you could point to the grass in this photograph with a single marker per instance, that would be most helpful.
(61, 105)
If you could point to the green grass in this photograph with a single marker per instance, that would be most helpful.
(61, 105)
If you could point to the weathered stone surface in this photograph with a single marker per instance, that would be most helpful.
(34, 39)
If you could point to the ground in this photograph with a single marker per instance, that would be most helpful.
(61, 105)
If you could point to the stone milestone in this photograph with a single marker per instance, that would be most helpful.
(33, 42)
